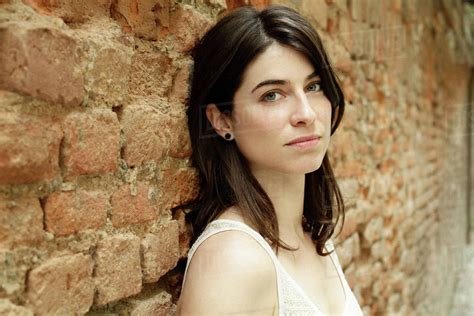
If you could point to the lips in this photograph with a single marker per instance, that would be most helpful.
(303, 139)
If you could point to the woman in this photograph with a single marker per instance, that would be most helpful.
(264, 102)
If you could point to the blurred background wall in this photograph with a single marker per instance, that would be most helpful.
(94, 150)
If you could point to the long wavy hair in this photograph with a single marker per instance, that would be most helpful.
(220, 59)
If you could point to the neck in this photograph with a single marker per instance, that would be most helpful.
(286, 191)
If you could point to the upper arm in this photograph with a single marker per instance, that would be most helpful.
(230, 272)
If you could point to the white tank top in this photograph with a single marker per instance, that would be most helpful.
(292, 300)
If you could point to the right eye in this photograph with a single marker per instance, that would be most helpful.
(316, 85)
(270, 96)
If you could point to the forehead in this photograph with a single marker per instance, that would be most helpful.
(278, 62)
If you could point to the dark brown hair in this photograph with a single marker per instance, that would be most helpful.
(220, 59)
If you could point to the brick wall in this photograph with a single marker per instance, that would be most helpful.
(94, 151)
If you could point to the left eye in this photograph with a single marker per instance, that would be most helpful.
(315, 86)
(271, 96)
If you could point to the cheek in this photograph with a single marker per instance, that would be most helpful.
(327, 112)
(329, 118)
(258, 134)
(259, 122)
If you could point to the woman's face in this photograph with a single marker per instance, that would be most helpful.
(281, 99)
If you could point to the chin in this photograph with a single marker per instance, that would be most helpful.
(316, 167)
(304, 169)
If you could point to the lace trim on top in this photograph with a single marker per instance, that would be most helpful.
(292, 300)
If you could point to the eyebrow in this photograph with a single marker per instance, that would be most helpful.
(281, 82)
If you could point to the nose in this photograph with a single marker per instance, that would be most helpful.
(303, 112)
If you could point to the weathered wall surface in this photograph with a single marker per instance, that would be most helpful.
(94, 151)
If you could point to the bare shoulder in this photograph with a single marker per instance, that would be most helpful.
(230, 272)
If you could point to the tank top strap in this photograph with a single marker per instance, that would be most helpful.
(220, 225)
(329, 245)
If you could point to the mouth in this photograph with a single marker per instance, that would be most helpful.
(304, 139)
(306, 144)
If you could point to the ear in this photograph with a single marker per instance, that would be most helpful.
(221, 122)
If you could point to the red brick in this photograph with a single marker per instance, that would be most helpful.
(399, 217)
(13, 270)
(374, 230)
(145, 140)
(177, 134)
(259, 4)
(179, 187)
(184, 233)
(338, 55)
(349, 250)
(341, 142)
(366, 273)
(350, 168)
(350, 96)
(179, 90)
(145, 19)
(350, 191)
(359, 39)
(352, 113)
(41, 62)
(340, 4)
(133, 207)
(379, 151)
(109, 62)
(151, 72)
(91, 142)
(387, 165)
(353, 217)
(316, 11)
(380, 46)
(159, 304)
(383, 134)
(21, 222)
(160, 251)
(29, 148)
(69, 212)
(71, 11)
(374, 11)
(7, 308)
(62, 285)
(118, 271)
(346, 31)
(187, 27)
(332, 21)
(358, 9)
